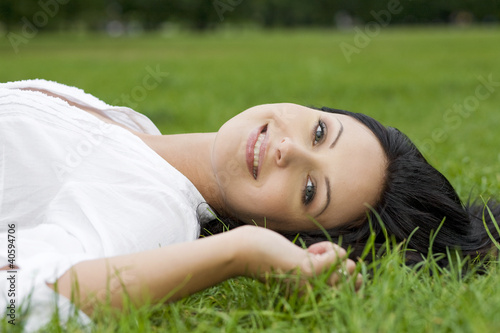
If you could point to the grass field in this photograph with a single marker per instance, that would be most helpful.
(412, 79)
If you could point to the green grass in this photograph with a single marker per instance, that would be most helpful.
(407, 78)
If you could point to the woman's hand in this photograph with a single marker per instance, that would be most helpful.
(263, 251)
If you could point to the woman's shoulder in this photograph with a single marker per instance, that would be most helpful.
(56, 88)
(125, 117)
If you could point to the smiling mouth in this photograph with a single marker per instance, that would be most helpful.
(256, 151)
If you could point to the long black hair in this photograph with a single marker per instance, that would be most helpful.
(416, 200)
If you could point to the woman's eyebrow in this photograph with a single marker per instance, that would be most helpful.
(327, 181)
(338, 134)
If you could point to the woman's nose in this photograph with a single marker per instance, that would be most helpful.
(287, 151)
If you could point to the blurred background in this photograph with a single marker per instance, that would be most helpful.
(131, 16)
(429, 68)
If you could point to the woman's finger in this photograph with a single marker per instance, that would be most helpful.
(322, 247)
(344, 272)
(358, 282)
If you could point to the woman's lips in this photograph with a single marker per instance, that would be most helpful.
(262, 152)
(250, 150)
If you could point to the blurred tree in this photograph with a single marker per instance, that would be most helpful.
(208, 14)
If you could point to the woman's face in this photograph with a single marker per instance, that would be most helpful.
(279, 165)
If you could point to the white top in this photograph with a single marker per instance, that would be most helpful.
(78, 188)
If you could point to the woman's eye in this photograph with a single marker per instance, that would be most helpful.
(309, 192)
(320, 132)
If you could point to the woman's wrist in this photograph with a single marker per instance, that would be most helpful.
(244, 251)
(258, 250)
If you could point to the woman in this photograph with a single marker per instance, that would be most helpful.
(99, 198)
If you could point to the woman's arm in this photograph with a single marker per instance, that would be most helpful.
(182, 269)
